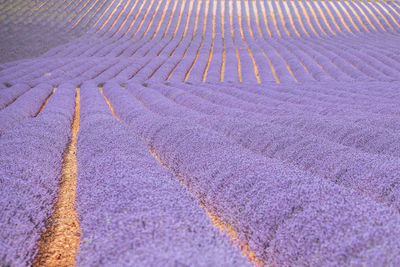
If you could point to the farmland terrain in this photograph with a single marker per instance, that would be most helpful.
(199, 133)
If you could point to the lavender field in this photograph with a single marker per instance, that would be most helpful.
(199, 133)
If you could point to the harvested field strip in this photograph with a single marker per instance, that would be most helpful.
(58, 245)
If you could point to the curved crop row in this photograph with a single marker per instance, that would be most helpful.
(229, 40)
(343, 165)
(276, 208)
(8, 95)
(26, 106)
(349, 131)
(136, 201)
(29, 175)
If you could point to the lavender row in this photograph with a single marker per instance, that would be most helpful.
(28, 70)
(350, 131)
(150, 218)
(354, 93)
(112, 16)
(30, 170)
(340, 164)
(26, 106)
(378, 141)
(261, 61)
(315, 103)
(278, 209)
(231, 64)
(381, 121)
(78, 70)
(8, 95)
(344, 26)
(386, 117)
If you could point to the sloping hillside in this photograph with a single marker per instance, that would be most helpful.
(200, 133)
